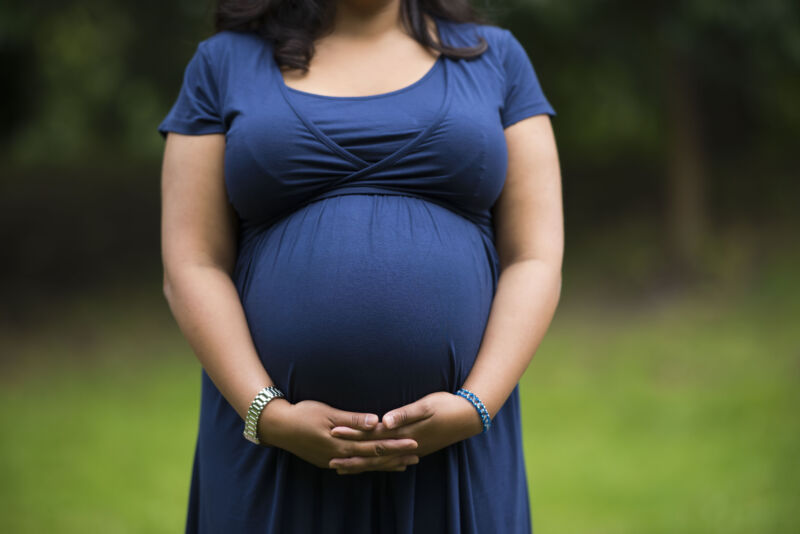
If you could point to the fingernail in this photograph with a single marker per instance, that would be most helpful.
(371, 419)
(389, 420)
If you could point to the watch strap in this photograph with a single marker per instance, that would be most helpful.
(261, 399)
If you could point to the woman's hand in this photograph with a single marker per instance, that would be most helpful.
(304, 429)
(435, 421)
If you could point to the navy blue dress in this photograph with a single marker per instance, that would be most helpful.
(366, 269)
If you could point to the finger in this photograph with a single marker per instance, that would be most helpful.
(346, 466)
(358, 420)
(416, 411)
(378, 432)
(348, 432)
(383, 447)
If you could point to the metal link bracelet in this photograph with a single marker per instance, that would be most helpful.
(261, 399)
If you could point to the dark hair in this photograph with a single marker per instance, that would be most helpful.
(293, 25)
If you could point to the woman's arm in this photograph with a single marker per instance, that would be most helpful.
(529, 234)
(199, 252)
(198, 242)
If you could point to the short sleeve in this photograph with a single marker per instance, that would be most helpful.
(523, 94)
(196, 110)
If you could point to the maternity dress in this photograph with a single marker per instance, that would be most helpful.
(366, 268)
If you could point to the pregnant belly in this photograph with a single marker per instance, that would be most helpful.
(368, 302)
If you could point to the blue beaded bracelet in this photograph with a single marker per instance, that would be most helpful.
(476, 402)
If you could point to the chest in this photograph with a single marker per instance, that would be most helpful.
(440, 136)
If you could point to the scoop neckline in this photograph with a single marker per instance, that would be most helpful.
(430, 72)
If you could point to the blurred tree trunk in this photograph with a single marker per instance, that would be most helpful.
(686, 168)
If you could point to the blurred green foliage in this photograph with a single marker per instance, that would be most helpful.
(94, 78)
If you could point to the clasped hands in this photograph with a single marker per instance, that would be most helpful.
(354, 442)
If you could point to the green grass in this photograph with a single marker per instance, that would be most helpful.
(674, 419)
(99, 416)
(678, 417)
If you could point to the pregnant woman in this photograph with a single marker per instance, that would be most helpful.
(362, 243)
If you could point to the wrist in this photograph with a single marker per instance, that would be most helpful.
(488, 396)
(273, 421)
(473, 424)
(478, 407)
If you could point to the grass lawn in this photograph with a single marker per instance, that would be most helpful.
(680, 417)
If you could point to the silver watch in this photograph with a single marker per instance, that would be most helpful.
(254, 412)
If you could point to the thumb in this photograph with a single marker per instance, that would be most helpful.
(357, 420)
(410, 413)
